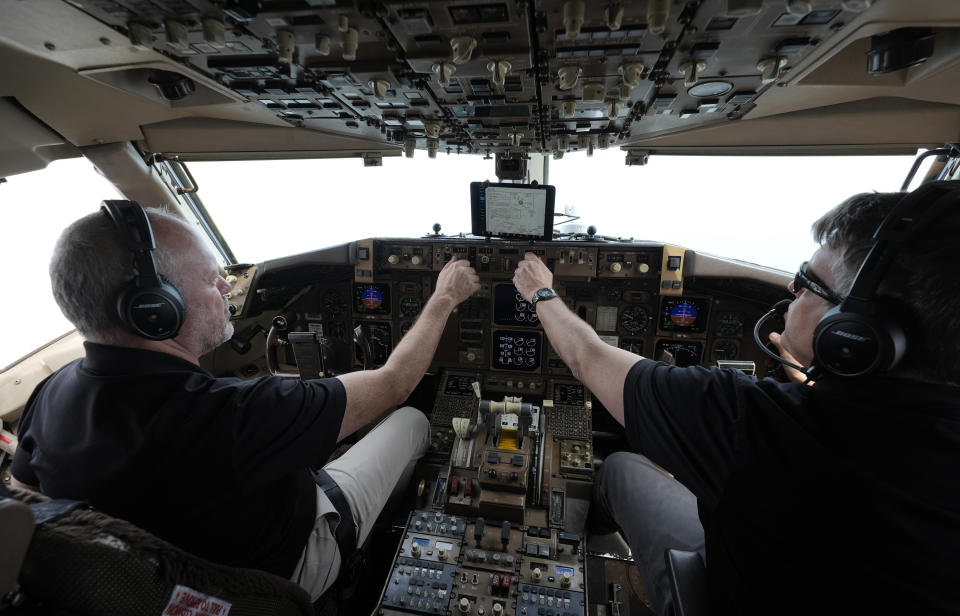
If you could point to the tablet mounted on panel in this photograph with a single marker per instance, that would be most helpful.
(513, 211)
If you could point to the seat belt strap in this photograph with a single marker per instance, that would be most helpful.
(346, 530)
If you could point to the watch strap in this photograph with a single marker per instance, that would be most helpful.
(537, 297)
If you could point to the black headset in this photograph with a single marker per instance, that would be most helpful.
(149, 305)
(865, 335)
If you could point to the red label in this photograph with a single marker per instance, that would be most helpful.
(185, 601)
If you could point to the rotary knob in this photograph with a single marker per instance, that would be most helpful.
(643, 268)
(497, 609)
(616, 266)
(471, 356)
(565, 580)
(416, 259)
(441, 554)
(464, 605)
(231, 279)
(393, 259)
(415, 550)
(484, 258)
(537, 574)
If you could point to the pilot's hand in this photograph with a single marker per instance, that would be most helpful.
(792, 373)
(531, 276)
(457, 281)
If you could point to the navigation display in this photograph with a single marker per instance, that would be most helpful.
(371, 298)
(523, 211)
(678, 353)
(509, 307)
(684, 314)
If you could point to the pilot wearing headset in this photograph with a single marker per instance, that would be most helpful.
(218, 466)
(838, 495)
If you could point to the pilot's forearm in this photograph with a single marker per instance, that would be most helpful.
(371, 392)
(412, 356)
(596, 364)
(570, 336)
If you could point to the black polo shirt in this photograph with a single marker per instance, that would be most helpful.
(843, 495)
(216, 466)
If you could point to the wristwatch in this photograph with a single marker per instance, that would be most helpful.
(543, 294)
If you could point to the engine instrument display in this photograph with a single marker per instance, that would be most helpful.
(509, 307)
(684, 314)
(516, 350)
(679, 353)
(371, 298)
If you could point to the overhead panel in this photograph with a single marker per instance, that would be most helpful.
(478, 76)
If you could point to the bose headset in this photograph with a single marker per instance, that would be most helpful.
(862, 335)
(149, 305)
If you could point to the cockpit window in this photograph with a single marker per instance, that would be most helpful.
(752, 208)
(34, 208)
(273, 208)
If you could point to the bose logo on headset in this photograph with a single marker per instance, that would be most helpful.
(149, 305)
(863, 335)
(843, 334)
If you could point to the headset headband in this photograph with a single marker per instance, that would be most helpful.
(908, 217)
(132, 222)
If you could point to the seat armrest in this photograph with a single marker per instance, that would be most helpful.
(688, 583)
(16, 531)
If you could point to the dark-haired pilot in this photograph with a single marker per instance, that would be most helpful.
(838, 497)
(217, 466)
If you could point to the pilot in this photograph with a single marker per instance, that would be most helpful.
(837, 495)
(218, 466)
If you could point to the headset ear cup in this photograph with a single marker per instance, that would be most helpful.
(851, 344)
(155, 313)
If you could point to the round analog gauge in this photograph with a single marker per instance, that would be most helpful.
(333, 304)
(409, 306)
(725, 349)
(405, 327)
(729, 323)
(634, 319)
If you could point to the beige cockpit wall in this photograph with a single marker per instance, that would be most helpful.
(287, 79)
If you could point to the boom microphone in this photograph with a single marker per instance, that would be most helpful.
(778, 309)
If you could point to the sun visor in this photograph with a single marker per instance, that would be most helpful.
(26, 144)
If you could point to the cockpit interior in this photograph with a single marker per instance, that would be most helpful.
(494, 521)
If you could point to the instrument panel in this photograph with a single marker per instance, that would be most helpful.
(628, 292)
